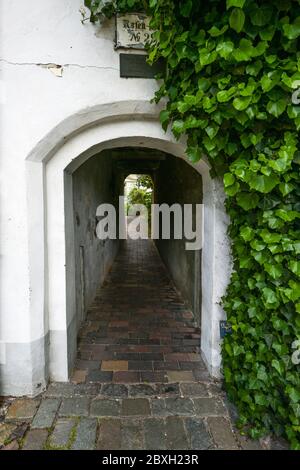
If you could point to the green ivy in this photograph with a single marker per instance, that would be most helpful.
(232, 67)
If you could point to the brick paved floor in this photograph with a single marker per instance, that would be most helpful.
(139, 382)
(138, 328)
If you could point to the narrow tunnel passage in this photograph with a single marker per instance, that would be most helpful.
(139, 328)
(139, 300)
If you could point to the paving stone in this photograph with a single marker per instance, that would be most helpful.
(158, 407)
(6, 430)
(194, 389)
(87, 365)
(114, 365)
(46, 413)
(61, 434)
(79, 376)
(222, 433)
(13, 445)
(214, 389)
(19, 431)
(209, 407)
(201, 375)
(179, 406)
(109, 434)
(99, 376)
(35, 439)
(126, 377)
(76, 406)
(198, 436)
(105, 407)
(157, 376)
(163, 365)
(278, 443)
(22, 409)
(168, 389)
(114, 390)
(176, 435)
(85, 434)
(248, 444)
(155, 434)
(180, 376)
(140, 365)
(132, 434)
(66, 389)
(142, 390)
(135, 406)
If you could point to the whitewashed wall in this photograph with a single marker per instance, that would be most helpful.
(34, 103)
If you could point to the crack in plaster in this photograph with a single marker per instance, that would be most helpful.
(49, 64)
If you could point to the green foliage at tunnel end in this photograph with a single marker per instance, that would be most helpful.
(232, 68)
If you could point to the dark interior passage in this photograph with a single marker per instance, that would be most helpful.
(139, 328)
(139, 299)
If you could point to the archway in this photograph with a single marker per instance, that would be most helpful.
(124, 124)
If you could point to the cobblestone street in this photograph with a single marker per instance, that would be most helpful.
(139, 381)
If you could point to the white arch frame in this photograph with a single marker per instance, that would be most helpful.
(125, 123)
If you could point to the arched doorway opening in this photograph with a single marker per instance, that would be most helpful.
(52, 275)
(140, 297)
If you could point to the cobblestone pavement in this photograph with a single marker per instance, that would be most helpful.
(139, 381)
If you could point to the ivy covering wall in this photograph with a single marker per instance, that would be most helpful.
(232, 67)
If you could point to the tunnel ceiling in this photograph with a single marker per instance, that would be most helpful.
(137, 160)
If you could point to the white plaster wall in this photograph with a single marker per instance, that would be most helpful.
(34, 103)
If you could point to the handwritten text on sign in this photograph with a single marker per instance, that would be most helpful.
(132, 31)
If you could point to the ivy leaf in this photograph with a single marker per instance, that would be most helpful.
(270, 298)
(235, 3)
(178, 127)
(225, 95)
(241, 103)
(164, 118)
(276, 108)
(212, 130)
(245, 51)
(247, 201)
(274, 270)
(186, 8)
(203, 84)
(261, 16)
(263, 183)
(207, 57)
(194, 154)
(254, 68)
(292, 31)
(294, 266)
(247, 234)
(278, 366)
(215, 32)
(228, 179)
(237, 19)
(225, 48)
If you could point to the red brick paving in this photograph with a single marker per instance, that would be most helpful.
(138, 328)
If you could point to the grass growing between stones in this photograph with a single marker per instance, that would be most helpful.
(71, 440)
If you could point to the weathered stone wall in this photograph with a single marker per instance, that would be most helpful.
(178, 182)
(93, 184)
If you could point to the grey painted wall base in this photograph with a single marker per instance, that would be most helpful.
(214, 371)
(24, 372)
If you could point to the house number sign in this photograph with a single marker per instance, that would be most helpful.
(132, 31)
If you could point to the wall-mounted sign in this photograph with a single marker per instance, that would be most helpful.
(135, 66)
(132, 31)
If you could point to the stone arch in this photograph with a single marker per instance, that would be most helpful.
(49, 169)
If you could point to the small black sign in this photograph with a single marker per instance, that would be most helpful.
(225, 328)
(135, 66)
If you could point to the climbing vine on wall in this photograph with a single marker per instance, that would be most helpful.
(232, 67)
